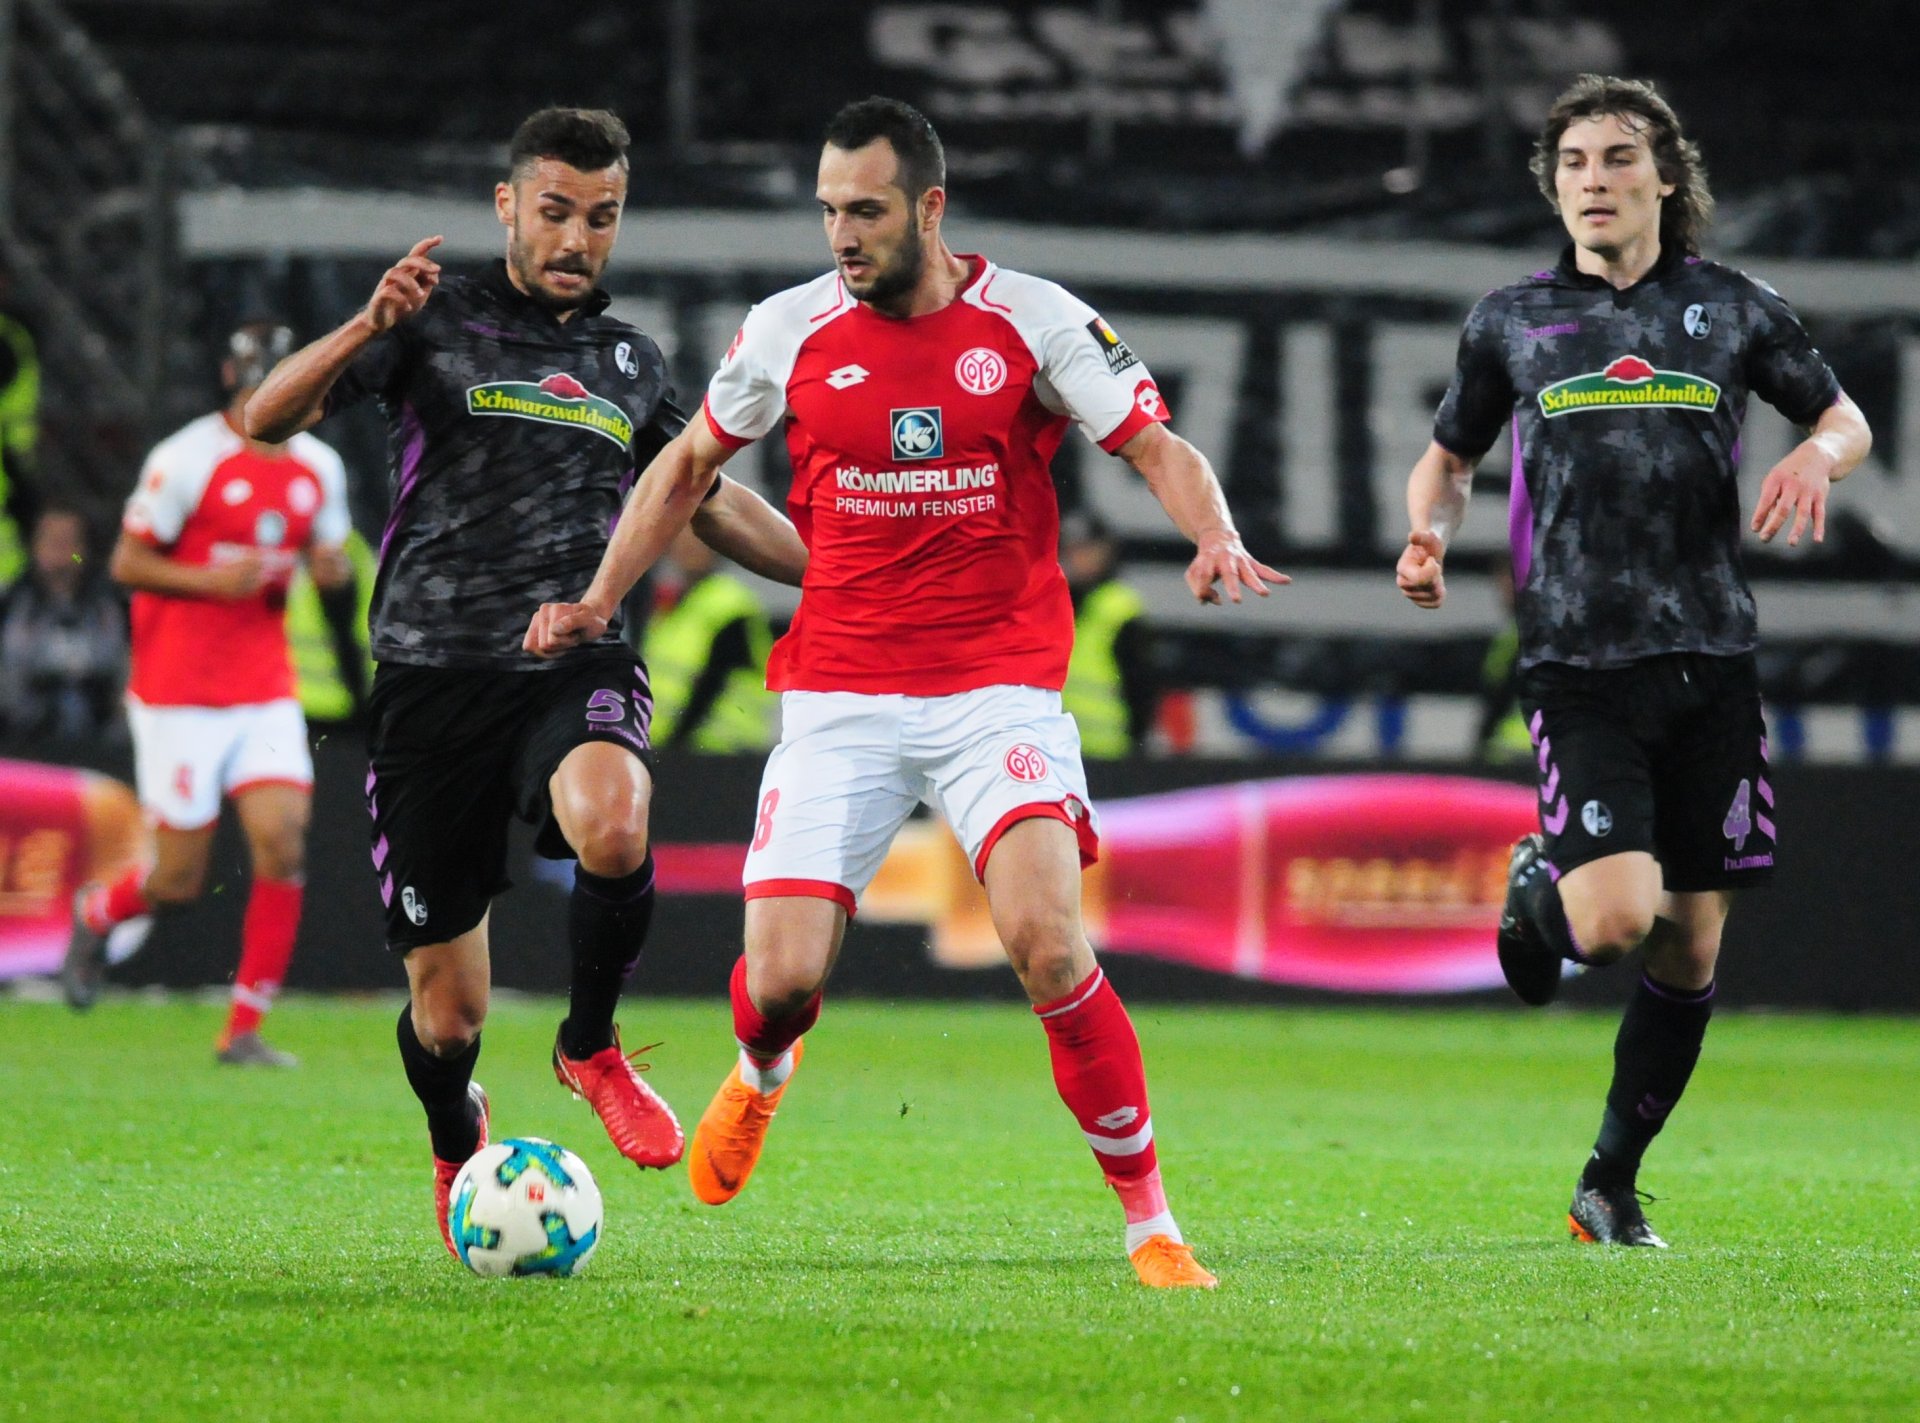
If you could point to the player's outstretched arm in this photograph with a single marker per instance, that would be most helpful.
(138, 565)
(1184, 483)
(744, 527)
(1796, 488)
(294, 394)
(1436, 506)
(663, 502)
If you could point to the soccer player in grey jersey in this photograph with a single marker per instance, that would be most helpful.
(518, 411)
(1624, 371)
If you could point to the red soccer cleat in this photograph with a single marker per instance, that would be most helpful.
(445, 1171)
(641, 1125)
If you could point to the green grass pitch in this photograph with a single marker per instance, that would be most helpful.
(1381, 1193)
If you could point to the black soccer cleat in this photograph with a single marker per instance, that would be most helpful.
(1610, 1216)
(1533, 970)
(86, 962)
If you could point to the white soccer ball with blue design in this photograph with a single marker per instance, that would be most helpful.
(524, 1206)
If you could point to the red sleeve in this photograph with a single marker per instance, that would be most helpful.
(1148, 409)
(731, 441)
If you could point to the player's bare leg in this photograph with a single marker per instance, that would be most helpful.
(1653, 1059)
(601, 794)
(1033, 890)
(791, 945)
(176, 878)
(439, 1036)
(274, 817)
(1594, 914)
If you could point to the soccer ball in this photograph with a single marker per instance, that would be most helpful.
(524, 1206)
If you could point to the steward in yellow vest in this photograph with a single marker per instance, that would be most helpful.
(19, 433)
(1109, 689)
(327, 633)
(706, 653)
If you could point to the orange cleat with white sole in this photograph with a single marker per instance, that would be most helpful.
(1163, 1263)
(640, 1124)
(445, 1171)
(726, 1144)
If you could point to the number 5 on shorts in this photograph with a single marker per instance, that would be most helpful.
(763, 827)
(606, 705)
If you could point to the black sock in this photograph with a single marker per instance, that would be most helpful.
(1541, 896)
(607, 923)
(1653, 1056)
(441, 1085)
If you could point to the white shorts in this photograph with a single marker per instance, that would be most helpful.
(187, 758)
(850, 768)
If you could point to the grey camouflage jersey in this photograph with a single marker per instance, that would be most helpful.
(1626, 409)
(512, 439)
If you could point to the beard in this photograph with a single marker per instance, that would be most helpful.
(898, 278)
(532, 276)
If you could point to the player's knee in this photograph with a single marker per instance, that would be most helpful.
(282, 855)
(1611, 931)
(614, 849)
(170, 886)
(1042, 949)
(447, 1024)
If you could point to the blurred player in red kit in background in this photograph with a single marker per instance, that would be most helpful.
(923, 395)
(208, 544)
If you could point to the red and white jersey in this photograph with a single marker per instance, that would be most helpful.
(920, 451)
(205, 495)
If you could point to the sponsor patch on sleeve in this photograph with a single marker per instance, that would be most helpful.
(1118, 354)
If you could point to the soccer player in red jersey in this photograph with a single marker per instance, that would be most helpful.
(923, 394)
(208, 545)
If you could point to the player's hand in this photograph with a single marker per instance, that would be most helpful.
(1795, 488)
(239, 577)
(1224, 560)
(405, 287)
(559, 626)
(329, 566)
(1418, 573)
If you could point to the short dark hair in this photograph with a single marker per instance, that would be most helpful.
(923, 161)
(587, 139)
(1685, 216)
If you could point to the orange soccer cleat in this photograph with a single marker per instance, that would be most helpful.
(726, 1144)
(641, 1125)
(1163, 1263)
(445, 1171)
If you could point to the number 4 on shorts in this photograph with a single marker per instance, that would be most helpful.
(1739, 822)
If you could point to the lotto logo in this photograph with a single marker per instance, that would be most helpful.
(980, 371)
(917, 434)
(1147, 396)
(1025, 763)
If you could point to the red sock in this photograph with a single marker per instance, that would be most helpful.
(266, 947)
(1097, 1067)
(766, 1038)
(111, 904)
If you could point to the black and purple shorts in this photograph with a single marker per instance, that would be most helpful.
(1666, 755)
(453, 755)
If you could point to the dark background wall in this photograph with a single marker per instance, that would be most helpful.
(1839, 929)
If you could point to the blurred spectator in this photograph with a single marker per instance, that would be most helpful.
(706, 650)
(327, 633)
(19, 433)
(1110, 687)
(63, 644)
(1502, 734)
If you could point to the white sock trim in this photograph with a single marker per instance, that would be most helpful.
(1140, 1232)
(769, 1078)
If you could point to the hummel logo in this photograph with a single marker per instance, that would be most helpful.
(1123, 1117)
(848, 375)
